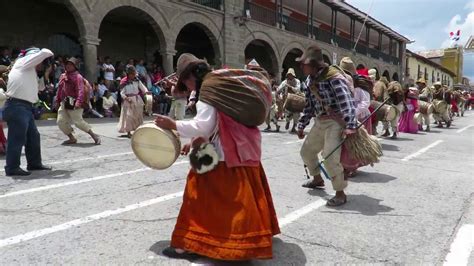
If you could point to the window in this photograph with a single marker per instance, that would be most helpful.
(438, 77)
(432, 76)
(419, 74)
(426, 74)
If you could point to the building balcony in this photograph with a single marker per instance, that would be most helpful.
(272, 17)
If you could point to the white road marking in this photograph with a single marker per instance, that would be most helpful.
(464, 128)
(461, 247)
(295, 215)
(295, 141)
(85, 180)
(421, 151)
(74, 223)
(74, 160)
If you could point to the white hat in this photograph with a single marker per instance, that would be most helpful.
(373, 73)
(252, 63)
(437, 83)
(291, 71)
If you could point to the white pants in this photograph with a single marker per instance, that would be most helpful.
(178, 109)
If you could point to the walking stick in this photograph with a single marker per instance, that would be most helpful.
(320, 164)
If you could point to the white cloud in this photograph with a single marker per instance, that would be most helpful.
(466, 27)
(470, 5)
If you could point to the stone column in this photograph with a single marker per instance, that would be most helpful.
(167, 56)
(89, 48)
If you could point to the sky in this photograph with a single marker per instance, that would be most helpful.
(426, 22)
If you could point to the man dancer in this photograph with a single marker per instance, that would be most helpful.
(22, 92)
(329, 98)
(440, 104)
(290, 85)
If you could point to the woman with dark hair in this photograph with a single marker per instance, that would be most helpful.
(131, 115)
(227, 179)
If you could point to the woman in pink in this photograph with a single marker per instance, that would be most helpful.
(362, 90)
(407, 122)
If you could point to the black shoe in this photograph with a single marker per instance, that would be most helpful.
(17, 172)
(39, 168)
(170, 252)
(287, 125)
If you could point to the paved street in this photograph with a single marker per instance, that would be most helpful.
(100, 205)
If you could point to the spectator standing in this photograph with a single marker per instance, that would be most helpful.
(109, 72)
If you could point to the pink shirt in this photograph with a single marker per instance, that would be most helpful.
(71, 84)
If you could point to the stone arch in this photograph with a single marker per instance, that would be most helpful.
(79, 16)
(292, 46)
(327, 57)
(154, 16)
(289, 61)
(271, 47)
(211, 34)
(387, 75)
(395, 77)
(206, 23)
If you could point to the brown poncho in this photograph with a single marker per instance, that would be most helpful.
(244, 95)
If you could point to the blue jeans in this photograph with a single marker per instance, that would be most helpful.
(22, 131)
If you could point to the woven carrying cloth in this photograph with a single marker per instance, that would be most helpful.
(244, 95)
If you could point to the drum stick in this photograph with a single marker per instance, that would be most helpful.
(320, 164)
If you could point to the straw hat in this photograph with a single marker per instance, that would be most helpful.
(313, 53)
(437, 83)
(291, 71)
(347, 65)
(421, 80)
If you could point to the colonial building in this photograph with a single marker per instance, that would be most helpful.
(450, 58)
(229, 32)
(422, 67)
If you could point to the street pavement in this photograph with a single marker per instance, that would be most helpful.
(100, 205)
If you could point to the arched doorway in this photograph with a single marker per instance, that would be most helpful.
(395, 77)
(290, 62)
(129, 33)
(264, 54)
(196, 39)
(360, 66)
(387, 75)
(326, 59)
(39, 23)
(64, 44)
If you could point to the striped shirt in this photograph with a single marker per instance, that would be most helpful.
(335, 94)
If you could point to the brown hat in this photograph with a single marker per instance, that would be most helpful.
(73, 60)
(185, 60)
(313, 53)
(3, 69)
(348, 66)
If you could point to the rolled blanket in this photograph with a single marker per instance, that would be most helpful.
(244, 95)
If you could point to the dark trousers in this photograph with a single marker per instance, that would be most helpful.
(22, 131)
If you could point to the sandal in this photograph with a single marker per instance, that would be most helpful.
(335, 202)
(171, 252)
(69, 142)
(313, 185)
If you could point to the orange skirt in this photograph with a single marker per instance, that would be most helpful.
(227, 214)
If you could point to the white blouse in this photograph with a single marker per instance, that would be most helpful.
(362, 103)
(204, 124)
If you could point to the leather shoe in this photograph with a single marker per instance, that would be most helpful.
(39, 168)
(17, 172)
